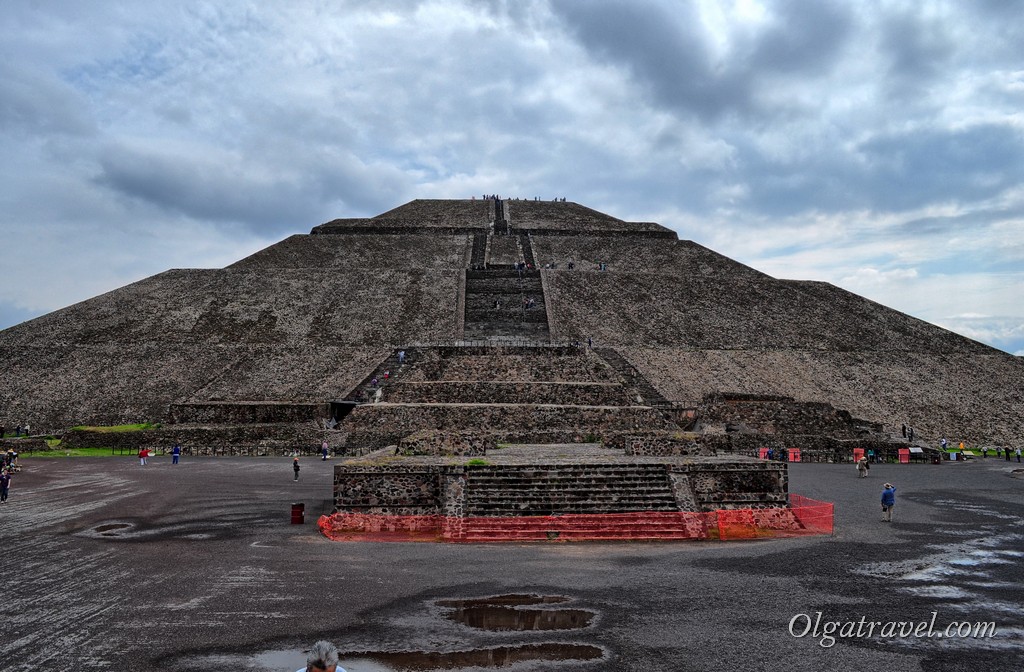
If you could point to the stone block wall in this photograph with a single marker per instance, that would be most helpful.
(665, 445)
(25, 445)
(379, 425)
(778, 415)
(547, 364)
(577, 394)
(249, 439)
(392, 490)
(437, 442)
(234, 413)
(441, 489)
(719, 485)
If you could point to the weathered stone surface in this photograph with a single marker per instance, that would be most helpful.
(305, 320)
(508, 487)
(437, 442)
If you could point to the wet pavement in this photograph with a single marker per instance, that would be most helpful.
(112, 566)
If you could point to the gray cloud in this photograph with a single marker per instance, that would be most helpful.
(35, 102)
(804, 38)
(242, 123)
(664, 48)
(910, 169)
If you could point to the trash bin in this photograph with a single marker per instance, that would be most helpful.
(298, 513)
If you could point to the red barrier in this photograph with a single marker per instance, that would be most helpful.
(815, 517)
(803, 517)
(857, 454)
(379, 527)
(762, 453)
(904, 454)
(794, 454)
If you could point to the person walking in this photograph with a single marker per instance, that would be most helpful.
(323, 450)
(5, 485)
(888, 501)
(175, 453)
(143, 454)
(862, 467)
(1017, 453)
(295, 467)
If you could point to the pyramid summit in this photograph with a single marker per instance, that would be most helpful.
(505, 300)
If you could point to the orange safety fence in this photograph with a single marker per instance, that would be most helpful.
(380, 527)
(803, 517)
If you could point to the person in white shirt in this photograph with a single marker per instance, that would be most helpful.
(323, 657)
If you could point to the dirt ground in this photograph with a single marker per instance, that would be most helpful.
(109, 565)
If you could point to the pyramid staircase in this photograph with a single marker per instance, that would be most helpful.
(541, 502)
(366, 390)
(638, 526)
(553, 489)
(632, 376)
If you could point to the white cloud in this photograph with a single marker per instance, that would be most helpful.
(879, 151)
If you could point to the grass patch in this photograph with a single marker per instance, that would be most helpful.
(138, 427)
(74, 452)
(477, 462)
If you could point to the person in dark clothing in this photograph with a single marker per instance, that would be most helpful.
(5, 485)
(295, 467)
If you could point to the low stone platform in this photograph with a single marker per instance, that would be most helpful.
(553, 479)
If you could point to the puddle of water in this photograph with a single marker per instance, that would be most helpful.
(508, 613)
(498, 657)
(111, 526)
(937, 592)
(290, 659)
(514, 599)
(405, 661)
(509, 618)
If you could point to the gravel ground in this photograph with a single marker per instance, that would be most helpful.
(114, 566)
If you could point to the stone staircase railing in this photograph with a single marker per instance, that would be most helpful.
(632, 376)
(365, 390)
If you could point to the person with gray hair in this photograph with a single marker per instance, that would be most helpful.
(323, 657)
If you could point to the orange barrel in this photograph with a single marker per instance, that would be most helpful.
(298, 513)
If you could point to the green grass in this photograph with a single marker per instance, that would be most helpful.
(75, 452)
(138, 427)
(477, 462)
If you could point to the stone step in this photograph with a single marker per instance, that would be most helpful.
(563, 486)
(552, 493)
(583, 504)
(568, 470)
(505, 288)
(499, 499)
(542, 536)
(501, 274)
(486, 301)
(506, 315)
(566, 509)
(483, 330)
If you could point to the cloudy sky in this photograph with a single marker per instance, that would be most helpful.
(878, 146)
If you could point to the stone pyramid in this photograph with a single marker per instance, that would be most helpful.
(546, 305)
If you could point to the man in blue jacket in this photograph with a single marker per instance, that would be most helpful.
(888, 501)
